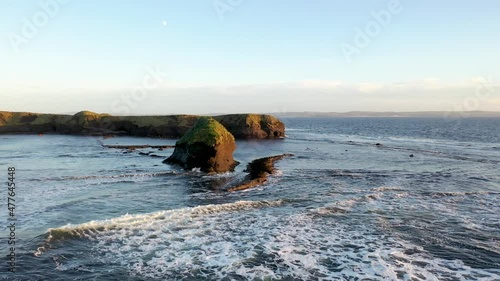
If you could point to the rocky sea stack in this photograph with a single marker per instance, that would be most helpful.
(208, 146)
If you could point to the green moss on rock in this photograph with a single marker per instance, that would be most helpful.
(208, 146)
(208, 131)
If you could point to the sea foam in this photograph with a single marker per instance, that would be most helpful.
(248, 240)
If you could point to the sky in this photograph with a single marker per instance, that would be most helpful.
(229, 56)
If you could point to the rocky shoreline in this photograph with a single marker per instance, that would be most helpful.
(134, 147)
(204, 142)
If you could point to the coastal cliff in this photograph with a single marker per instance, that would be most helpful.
(241, 126)
(252, 126)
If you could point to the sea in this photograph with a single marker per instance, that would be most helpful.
(361, 199)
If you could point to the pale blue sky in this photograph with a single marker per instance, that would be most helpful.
(92, 52)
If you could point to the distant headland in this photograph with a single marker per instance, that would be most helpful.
(395, 114)
(241, 126)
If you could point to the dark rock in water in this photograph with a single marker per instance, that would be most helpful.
(133, 147)
(378, 144)
(143, 153)
(411, 155)
(264, 166)
(208, 146)
(259, 170)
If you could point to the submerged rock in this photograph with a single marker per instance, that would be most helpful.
(133, 147)
(208, 146)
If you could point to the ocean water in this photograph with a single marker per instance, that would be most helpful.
(343, 208)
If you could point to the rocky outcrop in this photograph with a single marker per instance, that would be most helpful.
(253, 126)
(242, 126)
(258, 172)
(208, 146)
(134, 147)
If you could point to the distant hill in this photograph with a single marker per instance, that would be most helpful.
(434, 114)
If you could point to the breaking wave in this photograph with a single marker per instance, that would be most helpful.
(94, 228)
(114, 177)
(247, 240)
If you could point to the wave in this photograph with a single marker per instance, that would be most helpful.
(93, 228)
(459, 193)
(354, 173)
(346, 205)
(120, 176)
(411, 150)
(342, 138)
(194, 244)
(388, 188)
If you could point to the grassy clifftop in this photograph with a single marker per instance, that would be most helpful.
(242, 126)
(207, 130)
(22, 118)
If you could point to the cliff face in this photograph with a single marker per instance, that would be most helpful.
(242, 126)
(252, 126)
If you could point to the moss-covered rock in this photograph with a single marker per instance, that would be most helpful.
(208, 146)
